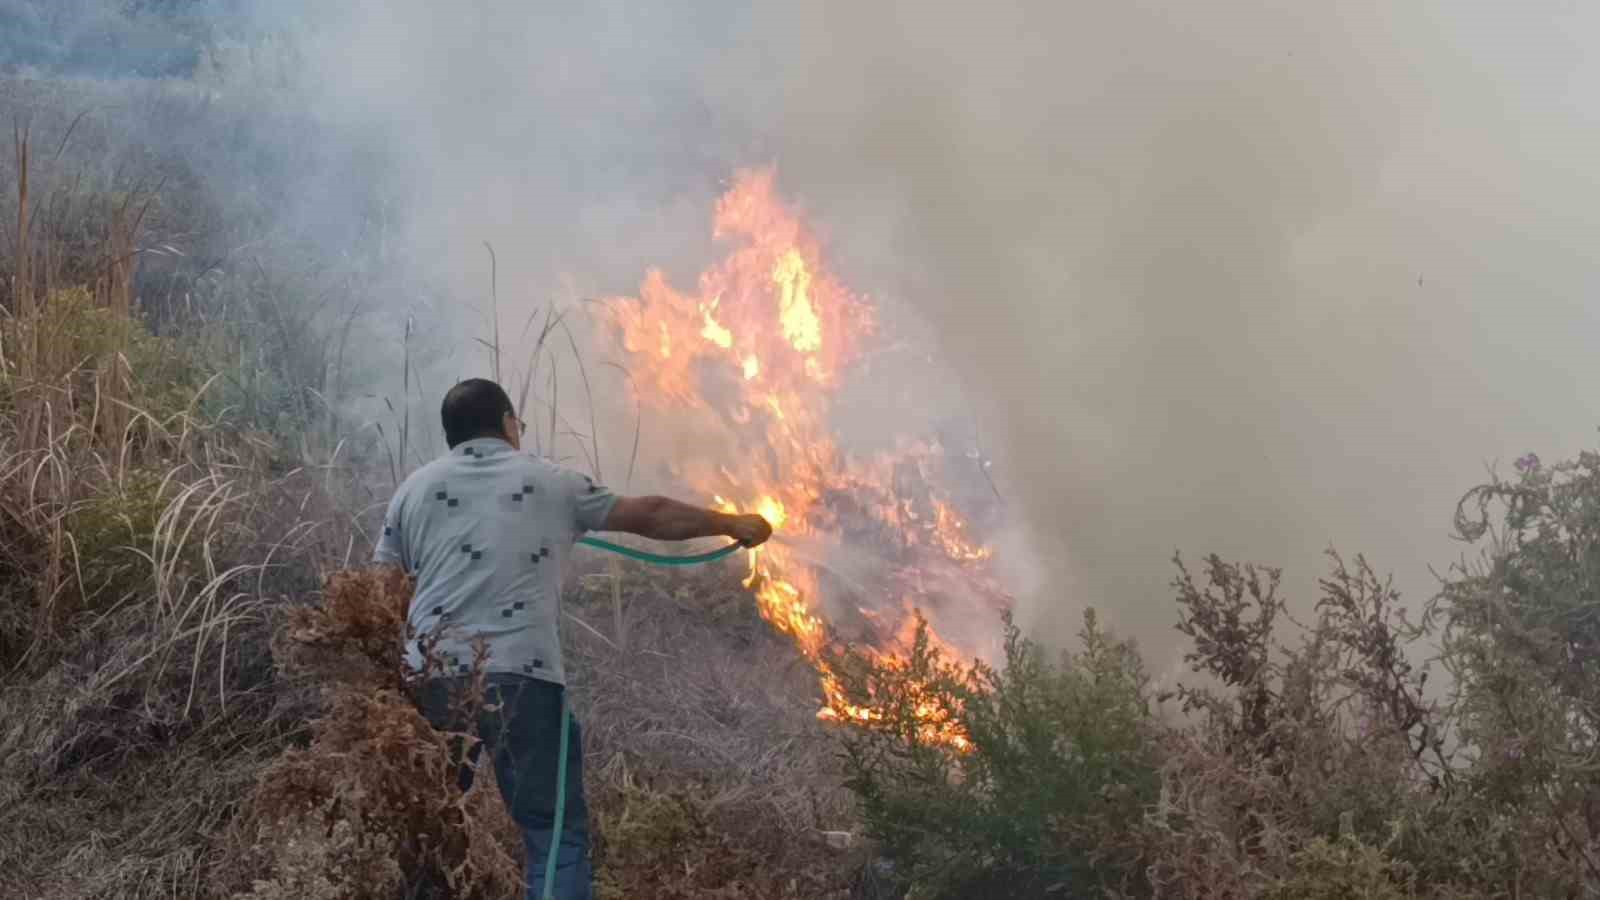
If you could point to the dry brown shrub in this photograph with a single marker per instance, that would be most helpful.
(355, 637)
(708, 778)
(372, 802)
(313, 864)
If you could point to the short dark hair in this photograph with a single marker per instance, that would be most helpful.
(475, 408)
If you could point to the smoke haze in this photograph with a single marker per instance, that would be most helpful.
(1239, 277)
(1234, 277)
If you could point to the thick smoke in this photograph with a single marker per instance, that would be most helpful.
(1239, 277)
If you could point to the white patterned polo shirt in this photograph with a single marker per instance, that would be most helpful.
(487, 530)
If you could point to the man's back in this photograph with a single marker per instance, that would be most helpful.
(487, 531)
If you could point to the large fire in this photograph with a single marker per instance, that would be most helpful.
(759, 348)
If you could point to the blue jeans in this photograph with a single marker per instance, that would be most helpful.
(520, 724)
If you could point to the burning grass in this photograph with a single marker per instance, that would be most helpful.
(754, 356)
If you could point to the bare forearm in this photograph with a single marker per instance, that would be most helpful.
(665, 519)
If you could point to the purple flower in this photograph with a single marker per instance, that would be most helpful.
(1528, 463)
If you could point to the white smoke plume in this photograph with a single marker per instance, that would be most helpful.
(1240, 277)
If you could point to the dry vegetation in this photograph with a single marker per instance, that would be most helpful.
(185, 717)
(1315, 762)
(200, 696)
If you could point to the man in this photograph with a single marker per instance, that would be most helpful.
(486, 530)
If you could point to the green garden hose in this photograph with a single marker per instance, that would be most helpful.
(561, 803)
(655, 559)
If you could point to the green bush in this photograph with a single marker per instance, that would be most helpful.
(109, 532)
(1056, 768)
(78, 347)
(1344, 869)
(1312, 761)
(1521, 633)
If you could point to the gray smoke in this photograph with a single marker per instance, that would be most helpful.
(1234, 277)
(1239, 277)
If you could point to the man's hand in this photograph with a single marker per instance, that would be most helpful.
(751, 530)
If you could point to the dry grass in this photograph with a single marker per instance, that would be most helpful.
(706, 778)
(136, 724)
(186, 714)
(191, 707)
(143, 553)
(709, 773)
(136, 721)
(132, 722)
(138, 694)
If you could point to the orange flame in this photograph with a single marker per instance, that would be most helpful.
(759, 350)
